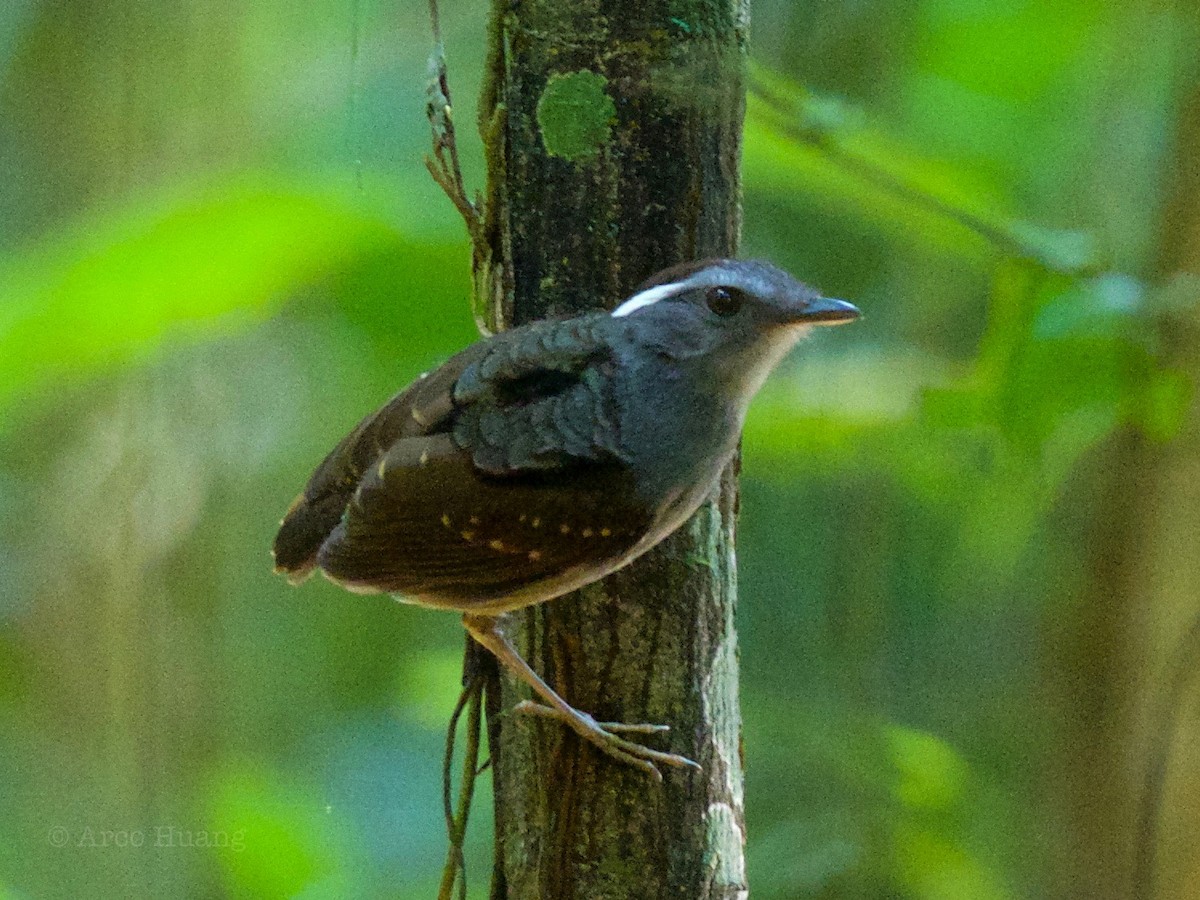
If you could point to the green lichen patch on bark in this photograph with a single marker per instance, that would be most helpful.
(575, 115)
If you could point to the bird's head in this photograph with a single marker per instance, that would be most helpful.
(730, 320)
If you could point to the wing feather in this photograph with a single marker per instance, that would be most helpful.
(428, 524)
(531, 406)
(424, 407)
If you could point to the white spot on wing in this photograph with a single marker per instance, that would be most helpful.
(649, 296)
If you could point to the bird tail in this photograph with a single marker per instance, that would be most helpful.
(305, 527)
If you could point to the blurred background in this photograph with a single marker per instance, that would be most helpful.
(968, 544)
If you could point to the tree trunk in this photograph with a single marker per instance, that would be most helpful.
(1130, 648)
(1163, 599)
(614, 133)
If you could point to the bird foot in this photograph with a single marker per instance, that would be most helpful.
(606, 737)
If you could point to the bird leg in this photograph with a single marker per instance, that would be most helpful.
(604, 735)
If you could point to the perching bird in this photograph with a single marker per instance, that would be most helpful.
(543, 458)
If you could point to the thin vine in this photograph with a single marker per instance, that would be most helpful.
(454, 872)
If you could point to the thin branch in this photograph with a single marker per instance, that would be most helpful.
(454, 871)
(446, 171)
(1006, 236)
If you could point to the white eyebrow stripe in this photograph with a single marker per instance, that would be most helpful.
(648, 296)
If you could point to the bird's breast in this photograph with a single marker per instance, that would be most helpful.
(677, 438)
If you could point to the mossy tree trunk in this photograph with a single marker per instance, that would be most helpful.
(614, 131)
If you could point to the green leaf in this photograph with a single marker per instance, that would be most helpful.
(929, 773)
(1167, 401)
(1102, 309)
(822, 145)
(117, 285)
(935, 866)
(273, 841)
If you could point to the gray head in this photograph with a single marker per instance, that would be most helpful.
(728, 320)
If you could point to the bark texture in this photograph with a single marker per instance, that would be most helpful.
(613, 131)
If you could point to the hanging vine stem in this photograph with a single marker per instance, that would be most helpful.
(444, 165)
(480, 676)
(490, 273)
(455, 872)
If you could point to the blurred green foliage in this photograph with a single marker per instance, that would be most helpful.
(219, 248)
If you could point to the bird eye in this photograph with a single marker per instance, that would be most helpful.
(724, 301)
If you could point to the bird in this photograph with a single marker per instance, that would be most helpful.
(543, 458)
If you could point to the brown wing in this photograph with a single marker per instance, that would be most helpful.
(426, 523)
(422, 407)
(529, 399)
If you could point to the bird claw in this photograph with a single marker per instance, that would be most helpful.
(606, 737)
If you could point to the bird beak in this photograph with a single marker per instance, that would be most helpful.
(825, 311)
